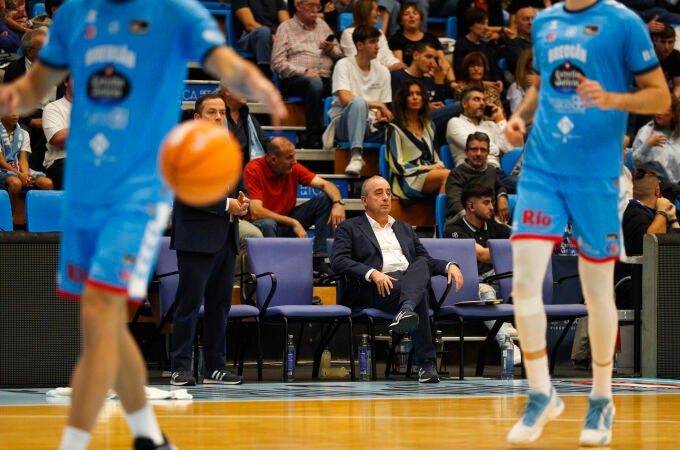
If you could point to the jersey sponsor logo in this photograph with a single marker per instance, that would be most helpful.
(120, 54)
(536, 218)
(568, 51)
(564, 78)
(139, 27)
(569, 105)
(108, 85)
(115, 119)
(114, 27)
(99, 144)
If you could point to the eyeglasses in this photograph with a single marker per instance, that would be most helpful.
(312, 6)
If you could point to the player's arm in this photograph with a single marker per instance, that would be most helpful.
(516, 128)
(25, 94)
(246, 79)
(651, 97)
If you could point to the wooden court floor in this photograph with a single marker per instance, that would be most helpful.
(318, 416)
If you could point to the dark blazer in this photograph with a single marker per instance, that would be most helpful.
(356, 250)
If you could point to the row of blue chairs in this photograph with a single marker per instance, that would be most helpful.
(43, 211)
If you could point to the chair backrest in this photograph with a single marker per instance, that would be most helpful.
(326, 107)
(462, 251)
(166, 264)
(383, 163)
(452, 27)
(43, 210)
(345, 19)
(6, 223)
(440, 214)
(509, 160)
(38, 9)
(290, 259)
(501, 258)
(446, 156)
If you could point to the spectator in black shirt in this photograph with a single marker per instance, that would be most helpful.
(664, 46)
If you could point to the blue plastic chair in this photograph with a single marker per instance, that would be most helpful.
(43, 210)
(277, 82)
(168, 279)
(6, 222)
(501, 257)
(282, 268)
(345, 20)
(383, 164)
(38, 8)
(232, 39)
(440, 214)
(463, 252)
(446, 157)
(452, 27)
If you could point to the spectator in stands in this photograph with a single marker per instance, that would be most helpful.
(422, 67)
(474, 170)
(56, 121)
(10, 41)
(514, 47)
(516, 5)
(657, 148)
(525, 77)
(474, 119)
(387, 267)
(669, 57)
(474, 39)
(648, 212)
(255, 23)
(361, 92)
(272, 181)
(16, 16)
(415, 167)
(655, 13)
(404, 41)
(492, 8)
(252, 140)
(206, 240)
(45, 19)
(15, 172)
(476, 73)
(31, 43)
(304, 59)
(478, 223)
(366, 13)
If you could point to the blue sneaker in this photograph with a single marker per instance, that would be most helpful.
(597, 429)
(537, 411)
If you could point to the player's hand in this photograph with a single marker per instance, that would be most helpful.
(252, 84)
(383, 282)
(456, 275)
(515, 131)
(592, 94)
(337, 215)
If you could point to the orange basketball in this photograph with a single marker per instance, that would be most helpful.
(200, 161)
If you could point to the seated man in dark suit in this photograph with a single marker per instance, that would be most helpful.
(388, 268)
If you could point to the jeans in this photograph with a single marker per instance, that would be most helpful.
(312, 90)
(353, 125)
(259, 42)
(313, 212)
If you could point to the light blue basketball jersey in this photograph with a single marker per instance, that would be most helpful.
(605, 42)
(128, 60)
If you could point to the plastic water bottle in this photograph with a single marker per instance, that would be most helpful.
(364, 359)
(439, 348)
(290, 359)
(325, 359)
(508, 360)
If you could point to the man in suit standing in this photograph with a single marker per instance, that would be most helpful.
(388, 268)
(206, 240)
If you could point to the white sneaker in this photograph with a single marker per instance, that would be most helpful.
(516, 355)
(597, 430)
(537, 411)
(354, 167)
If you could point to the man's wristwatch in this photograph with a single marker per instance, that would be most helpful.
(340, 202)
(663, 213)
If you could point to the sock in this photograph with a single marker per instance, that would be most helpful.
(143, 423)
(356, 152)
(408, 305)
(597, 280)
(530, 261)
(74, 439)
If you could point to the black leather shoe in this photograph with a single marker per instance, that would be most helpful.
(428, 373)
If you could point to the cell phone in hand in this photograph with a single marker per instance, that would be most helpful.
(331, 37)
(488, 110)
(380, 124)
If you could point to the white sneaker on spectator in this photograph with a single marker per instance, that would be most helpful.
(354, 167)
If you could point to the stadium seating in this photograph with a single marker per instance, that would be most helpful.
(43, 210)
(6, 223)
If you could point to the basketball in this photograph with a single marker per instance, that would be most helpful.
(200, 161)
